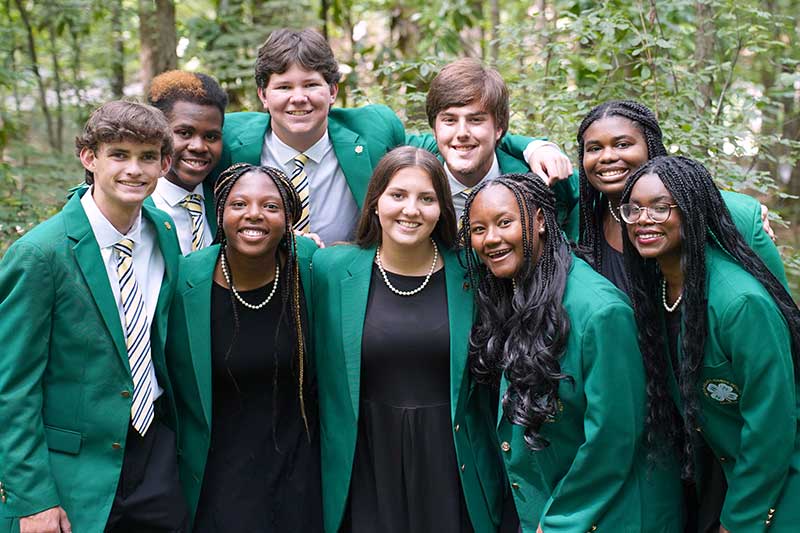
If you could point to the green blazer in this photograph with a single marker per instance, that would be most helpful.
(341, 277)
(594, 474)
(746, 213)
(360, 137)
(749, 401)
(65, 381)
(188, 350)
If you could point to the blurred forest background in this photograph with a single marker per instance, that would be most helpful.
(722, 75)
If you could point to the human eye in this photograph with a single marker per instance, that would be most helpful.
(592, 148)
(213, 137)
(476, 230)
(624, 144)
(183, 133)
(118, 155)
(504, 223)
(428, 199)
(660, 209)
(396, 195)
(273, 206)
(150, 156)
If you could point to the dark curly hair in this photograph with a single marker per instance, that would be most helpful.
(291, 293)
(522, 334)
(705, 219)
(592, 202)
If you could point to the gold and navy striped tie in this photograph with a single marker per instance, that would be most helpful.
(194, 204)
(137, 337)
(300, 182)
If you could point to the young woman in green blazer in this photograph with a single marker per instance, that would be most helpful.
(248, 432)
(614, 139)
(719, 334)
(558, 340)
(392, 315)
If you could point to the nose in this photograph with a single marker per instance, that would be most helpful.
(461, 128)
(133, 168)
(491, 236)
(254, 211)
(298, 94)
(196, 144)
(608, 154)
(410, 207)
(645, 220)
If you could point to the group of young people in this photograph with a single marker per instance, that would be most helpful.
(306, 320)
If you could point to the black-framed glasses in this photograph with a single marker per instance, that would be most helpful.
(657, 212)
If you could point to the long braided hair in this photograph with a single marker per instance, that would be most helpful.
(522, 333)
(593, 202)
(705, 221)
(289, 282)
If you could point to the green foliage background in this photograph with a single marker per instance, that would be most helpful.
(722, 75)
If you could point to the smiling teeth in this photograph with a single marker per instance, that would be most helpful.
(409, 224)
(195, 162)
(649, 235)
(253, 232)
(298, 113)
(498, 254)
(612, 173)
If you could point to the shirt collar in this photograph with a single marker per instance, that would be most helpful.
(105, 233)
(174, 194)
(456, 187)
(285, 153)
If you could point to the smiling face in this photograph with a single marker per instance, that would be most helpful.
(466, 137)
(496, 231)
(660, 241)
(408, 209)
(197, 138)
(253, 218)
(613, 148)
(298, 101)
(125, 173)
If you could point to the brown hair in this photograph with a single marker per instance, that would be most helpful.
(368, 232)
(124, 121)
(464, 82)
(181, 86)
(306, 48)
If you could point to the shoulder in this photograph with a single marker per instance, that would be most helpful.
(745, 210)
(589, 297)
(729, 285)
(43, 236)
(335, 257)
(305, 248)
(370, 117)
(244, 119)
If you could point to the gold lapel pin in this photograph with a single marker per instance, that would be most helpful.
(167, 225)
(359, 149)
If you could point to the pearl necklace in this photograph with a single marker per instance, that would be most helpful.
(229, 281)
(412, 292)
(613, 214)
(674, 306)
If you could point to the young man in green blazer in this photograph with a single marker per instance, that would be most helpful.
(329, 152)
(84, 298)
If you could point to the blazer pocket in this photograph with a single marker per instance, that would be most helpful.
(62, 440)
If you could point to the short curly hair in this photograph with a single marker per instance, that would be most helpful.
(181, 86)
(306, 48)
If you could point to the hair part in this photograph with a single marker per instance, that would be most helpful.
(290, 290)
(119, 121)
(705, 221)
(369, 231)
(305, 48)
(182, 86)
(592, 202)
(468, 81)
(522, 335)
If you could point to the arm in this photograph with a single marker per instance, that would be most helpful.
(612, 423)
(27, 296)
(763, 368)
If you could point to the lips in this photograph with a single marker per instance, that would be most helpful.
(409, 225)
(195, 163)
(612, 175)
(300, 112)
(648, 237)
(130, 183)
(252, 234)
(498, 255)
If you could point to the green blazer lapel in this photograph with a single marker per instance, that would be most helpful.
(459, 310)
(208, 200)
(246, 148)
(355, 290)
(353, 156)
(90, 261)
(501, 418)
(196, 301)
(170, 251)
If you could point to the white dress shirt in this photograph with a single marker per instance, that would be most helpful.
(148, 263)
(334, 211)
(167, 196)
(456, 187)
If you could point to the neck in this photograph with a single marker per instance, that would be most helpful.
(471, 179)
(172, 177)
(671, 270)
(302, 141)
(407, 260)
(122, 217)
(247, 272)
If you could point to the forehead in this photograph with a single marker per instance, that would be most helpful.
(128, 145)
(254, 183)
(612, 126)
(191, 112)
(296, 72)
(650, 188)
(410, 178)
(473, 108)
(492, 201)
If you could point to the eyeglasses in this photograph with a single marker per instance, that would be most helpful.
(658, 213)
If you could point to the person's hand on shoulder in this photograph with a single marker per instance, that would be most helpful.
(549, 163)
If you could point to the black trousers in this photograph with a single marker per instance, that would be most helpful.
(149, 497)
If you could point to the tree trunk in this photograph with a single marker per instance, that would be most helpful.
(324, 8)
(158, 39)
(51, 137)
(117, 51)
(704, 47)
(494, 17)
(59, 129)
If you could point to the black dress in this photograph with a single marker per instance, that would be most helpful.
(405, 472)
(614, 266)
(262, 474)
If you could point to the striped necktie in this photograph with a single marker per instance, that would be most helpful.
(300, 182)
(194, 204)
(137, 337)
